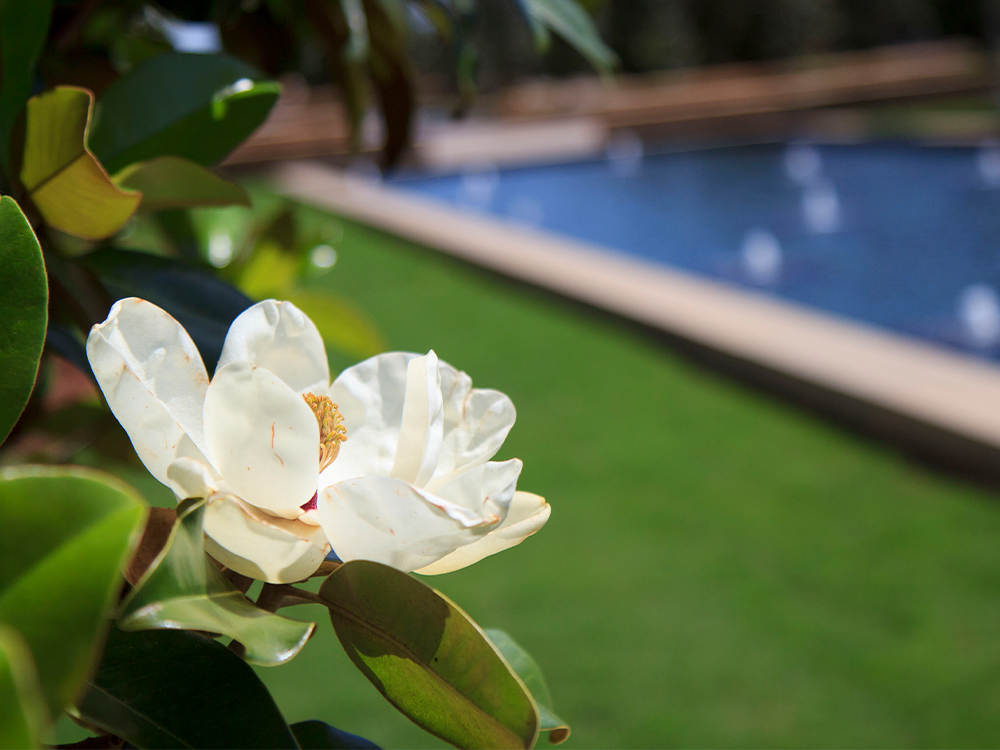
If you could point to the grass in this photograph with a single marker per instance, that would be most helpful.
(720, 569)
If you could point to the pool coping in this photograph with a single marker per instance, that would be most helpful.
(931, 400)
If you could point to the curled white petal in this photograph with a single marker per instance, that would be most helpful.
(421, 427)
(154, 379)
(263, 438)
(389, 521)
(527, 514)
(476, 422)
(281, 338)
(261, 546)
(486, 490)
(189, 477)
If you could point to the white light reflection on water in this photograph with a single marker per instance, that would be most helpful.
(526, 210)
(479, 186)
(625, 153)
(761, 256)
(979, 313)
(988, 163)
(821, 208)
(802, 164)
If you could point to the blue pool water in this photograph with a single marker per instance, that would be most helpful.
(902, 236)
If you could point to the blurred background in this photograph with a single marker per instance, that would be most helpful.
(729, 563)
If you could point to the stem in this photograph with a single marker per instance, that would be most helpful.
(270, 597)
(241, 582)
(274, 596)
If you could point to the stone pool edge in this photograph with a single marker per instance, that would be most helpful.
(929, 400)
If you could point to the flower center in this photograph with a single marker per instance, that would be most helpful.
(331, 427)
(312, 503)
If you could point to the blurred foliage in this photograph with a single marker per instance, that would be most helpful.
(364, 46)
(649, 35)
(656, 34)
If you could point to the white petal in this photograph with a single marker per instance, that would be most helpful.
(421, 430)
(263, 438)
(261, 546)
(370, 397)
(528, 513)
(189, 477)
(388, 521)
(153, 378)
(486, 489)
(476, 422)
(281, 338)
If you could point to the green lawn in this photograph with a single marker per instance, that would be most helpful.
(720, 569)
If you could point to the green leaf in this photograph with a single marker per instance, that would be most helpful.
(205, 305)
(270, 272)
(531, 675)
(64, 535)
(23, 27)
(170, 689)
(24, 716)
(68, 185)
(184, 590)
(570, 21)
(428, 658)
(24, 295)
(318, 735)
(172, 182)
(199, 107)
(342, 326)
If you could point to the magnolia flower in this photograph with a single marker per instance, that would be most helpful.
(390, 463)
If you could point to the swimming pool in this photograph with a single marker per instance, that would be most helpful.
(901, 236)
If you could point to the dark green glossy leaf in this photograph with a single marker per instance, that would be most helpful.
(428, 658)
(64, 534)
(180, 233)
(318, 735)
(570, 21)
(184, 590)
(202, 303)
(171, 689)
(23, 26)
(199, 107)
(76, 295)
(23, 312)
(66, 183)
(24, 716)
(531, 675)
(168, 182)
(62, 340)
